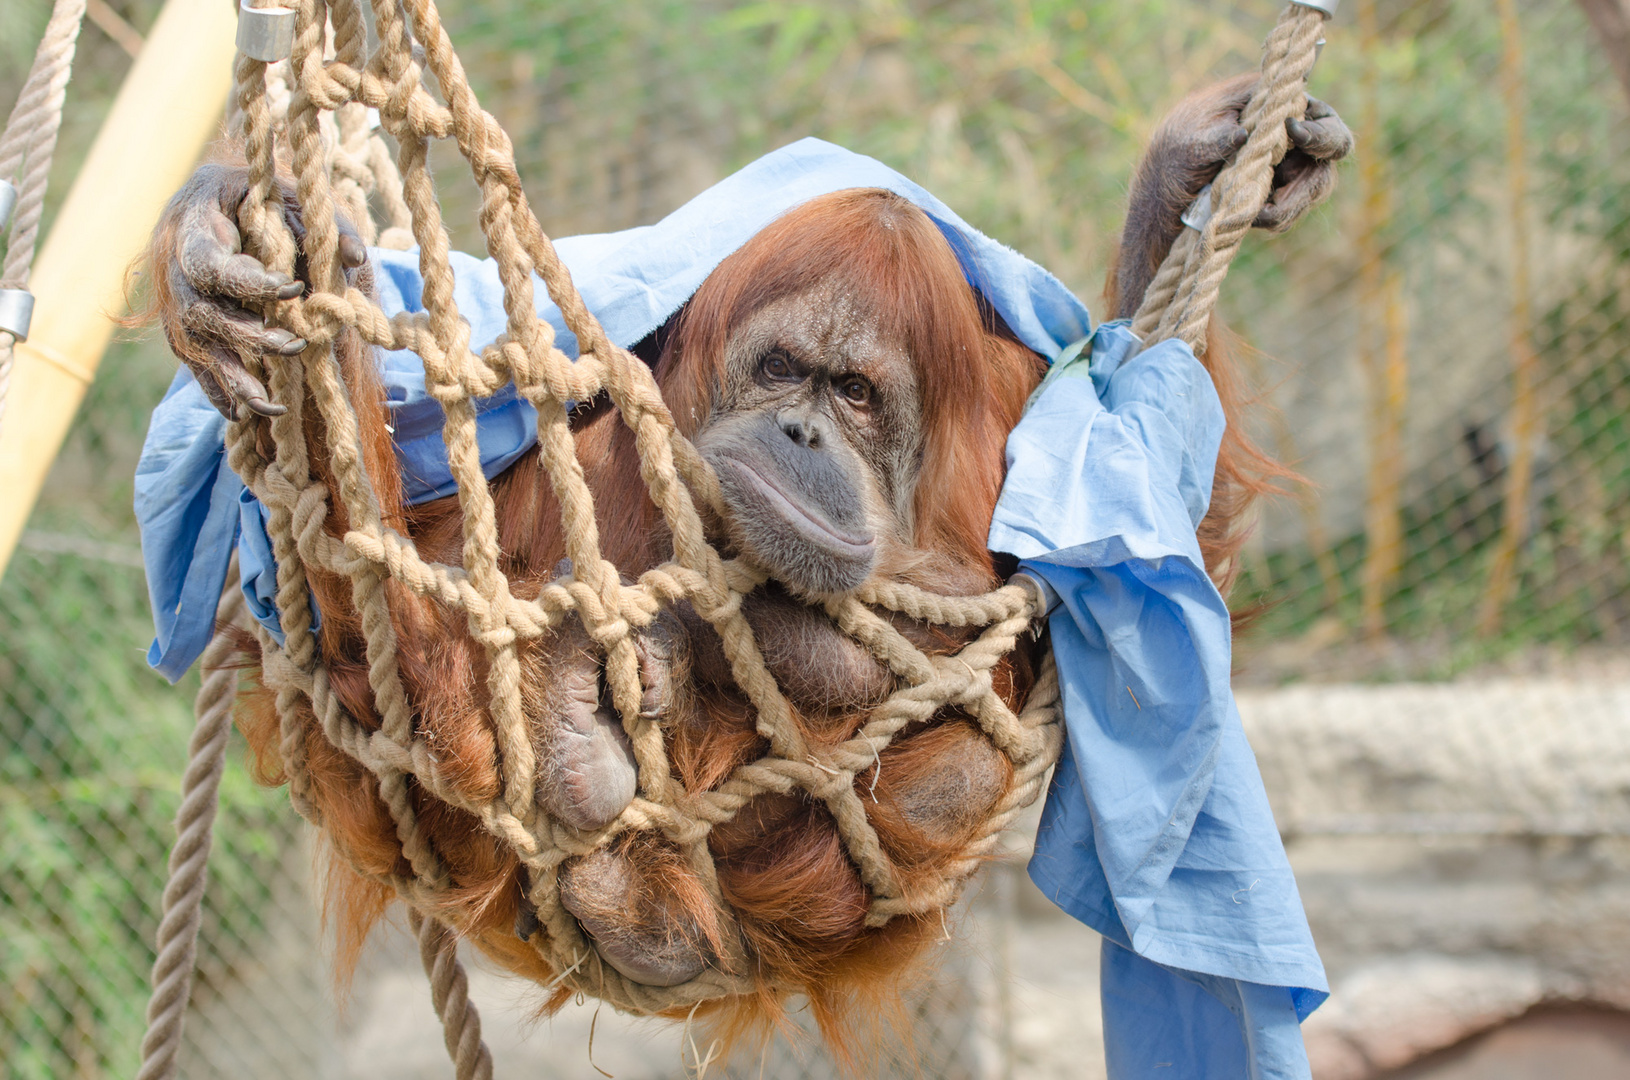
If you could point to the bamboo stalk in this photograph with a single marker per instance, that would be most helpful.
(169, 107)
(1524, 364)
(1381, 336)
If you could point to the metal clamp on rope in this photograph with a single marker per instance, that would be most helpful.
(265, 33)
(8, 201)
(1318, 51)
(1326, 6)
(16, 312)
(1199, 211)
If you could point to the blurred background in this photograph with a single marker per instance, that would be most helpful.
(1437, 683)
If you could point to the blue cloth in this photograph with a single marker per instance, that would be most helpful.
(1156, 831)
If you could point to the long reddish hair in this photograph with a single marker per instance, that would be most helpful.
(973, 376)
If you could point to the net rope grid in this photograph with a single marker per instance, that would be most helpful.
(324, 107)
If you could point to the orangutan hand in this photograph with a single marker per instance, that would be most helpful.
(203, 283)
(1203, 132)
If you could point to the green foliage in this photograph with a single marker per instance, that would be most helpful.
(91, 750)
(1445, 145)
(1025, 117)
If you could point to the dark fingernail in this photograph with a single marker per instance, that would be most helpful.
(290, 290)
(262, 407)
(352, 251)
(293, 348)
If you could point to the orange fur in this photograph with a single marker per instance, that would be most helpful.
(800, 901)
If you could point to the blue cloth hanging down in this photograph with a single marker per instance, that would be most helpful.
(1156, 831)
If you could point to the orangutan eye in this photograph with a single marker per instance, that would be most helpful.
(778, 365)
(855, 390)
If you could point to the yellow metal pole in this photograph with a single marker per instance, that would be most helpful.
(169, 107)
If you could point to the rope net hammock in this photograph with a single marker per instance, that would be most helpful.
(317, 109)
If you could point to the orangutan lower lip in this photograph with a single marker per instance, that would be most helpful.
(859, 547)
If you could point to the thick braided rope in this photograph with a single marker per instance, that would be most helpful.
(26, 148)
(1179, 301)
(450, 994)
(177, 945)
(329, 73)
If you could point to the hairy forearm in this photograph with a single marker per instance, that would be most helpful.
(1153, 220)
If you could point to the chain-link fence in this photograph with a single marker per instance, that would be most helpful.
(1451, 366)
(1441, 350)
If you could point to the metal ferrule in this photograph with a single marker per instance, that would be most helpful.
(16, 311)
(1199, 211)
(265, 33)
(1326, 6)
(8, 201)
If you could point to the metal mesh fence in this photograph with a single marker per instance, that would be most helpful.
(1452, 370)
(90, 752)
(1441, 351)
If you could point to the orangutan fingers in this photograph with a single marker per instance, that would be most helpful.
(248, 391)
(1321, 134)
(220, 322)
(591, 775)
(210, 259)
(634, 927)
(940, 784)
(663, 654)
(292, 219)
(243, 278)
(586, 771)
(215, 392)
(1299, 184)
(1216, 144)
(353, 252)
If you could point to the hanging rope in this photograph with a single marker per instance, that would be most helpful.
(177, 945)
(1178, 304)
(450, 994)
(1180, 299)
(26, 148)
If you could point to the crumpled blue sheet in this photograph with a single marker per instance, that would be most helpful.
(1156, 830)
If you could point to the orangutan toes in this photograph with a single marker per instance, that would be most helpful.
(586, 769)
(946, 801)
(591, 775)
(638, 923)
(817, 666)
(663, 649)
(937, 787)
